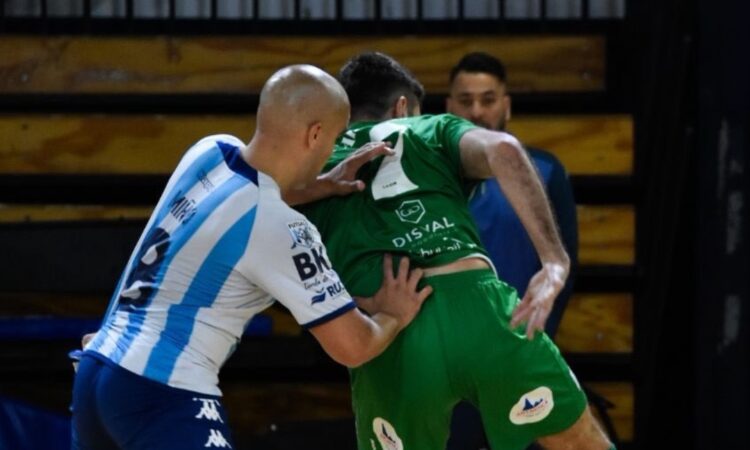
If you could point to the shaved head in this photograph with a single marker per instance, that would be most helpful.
(301, 112)
(299, 96)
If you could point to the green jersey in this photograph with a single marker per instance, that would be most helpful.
(415, 203)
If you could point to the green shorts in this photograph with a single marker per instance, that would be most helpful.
(460, 347)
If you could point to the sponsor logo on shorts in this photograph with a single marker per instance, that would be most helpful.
(216, 439)
(532, 407)
(209, 409)
(410, 211)
(386, 435)
(302, 233)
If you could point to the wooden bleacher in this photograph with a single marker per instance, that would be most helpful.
(118, 143)
(235, 64)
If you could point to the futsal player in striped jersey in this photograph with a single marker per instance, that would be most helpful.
(222, 245)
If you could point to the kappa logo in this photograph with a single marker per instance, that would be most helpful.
(216, 439)
(410, 211)
(386, 435)
(533, 406)
(302, 234)
(209, 409)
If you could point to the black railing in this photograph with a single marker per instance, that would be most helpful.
(46, 17)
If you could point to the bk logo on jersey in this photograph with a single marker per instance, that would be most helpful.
(310, 264)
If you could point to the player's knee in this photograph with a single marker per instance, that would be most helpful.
(584, 434)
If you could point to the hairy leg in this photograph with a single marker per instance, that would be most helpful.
(585, 434)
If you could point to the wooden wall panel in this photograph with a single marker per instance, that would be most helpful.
(599, 322)
(585, 144)
(606, 234)
(242, 64)
(89, 144)
(147, 144)
(623, 412)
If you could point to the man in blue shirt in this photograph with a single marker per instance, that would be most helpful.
(478, 92)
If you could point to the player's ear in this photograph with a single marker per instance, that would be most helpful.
(508, 104)
(314, 134)
(401, 108)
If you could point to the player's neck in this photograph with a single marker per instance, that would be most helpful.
(269, 156)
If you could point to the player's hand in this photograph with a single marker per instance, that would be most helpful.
(343, 178)
(398, 295)
(539, 298)
(86, 339)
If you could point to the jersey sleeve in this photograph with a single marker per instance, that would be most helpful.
(287, 259)
(448, 131)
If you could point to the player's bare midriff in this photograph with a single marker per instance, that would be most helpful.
(460, 265)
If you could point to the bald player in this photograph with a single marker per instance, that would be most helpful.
(222, 245)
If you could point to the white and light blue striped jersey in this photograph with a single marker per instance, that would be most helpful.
(220, 246)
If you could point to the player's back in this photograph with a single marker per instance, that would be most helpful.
(181, 304)
(415, 203)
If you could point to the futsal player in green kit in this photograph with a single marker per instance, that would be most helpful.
(468, 343)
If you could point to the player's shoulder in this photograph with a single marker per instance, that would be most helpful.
(272, 209)
(548, 164)
(214, 142)
(279, 228)
(538, 154)
(430, 121)
(220, 138)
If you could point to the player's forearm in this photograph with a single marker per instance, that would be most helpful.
(382, 330)
(319, 189)
(521, 184)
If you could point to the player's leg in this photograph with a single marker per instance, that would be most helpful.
(402, 398)
(467, 430)
(524, 387)
(140, 413)
(88, 433)
(584, 434)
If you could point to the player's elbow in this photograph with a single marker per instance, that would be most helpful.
(349, 357)
(350, 340)
(504, 149)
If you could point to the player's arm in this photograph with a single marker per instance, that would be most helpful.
(341, 180)
(485, 154)
(561, 198)
(353, 338)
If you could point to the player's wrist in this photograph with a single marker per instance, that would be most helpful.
(391, 322)
(557, 271)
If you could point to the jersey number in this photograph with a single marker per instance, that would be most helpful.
(142, 279)
(391, 180)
